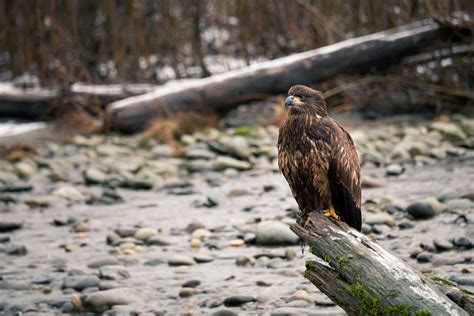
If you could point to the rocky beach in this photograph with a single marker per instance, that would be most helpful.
(112, 223)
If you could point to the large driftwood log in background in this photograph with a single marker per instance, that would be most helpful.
(221, 92)
(363, 278)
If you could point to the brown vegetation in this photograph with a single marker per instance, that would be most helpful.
(169, 130)
(112, 41)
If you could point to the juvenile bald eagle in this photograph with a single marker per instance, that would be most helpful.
(318, 159)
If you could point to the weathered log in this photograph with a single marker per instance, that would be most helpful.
(36, 102)
(224, 91)
(20, 102)
(363, 278)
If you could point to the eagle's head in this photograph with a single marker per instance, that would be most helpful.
(304, 100)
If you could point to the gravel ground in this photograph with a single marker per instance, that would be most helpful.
(103, 223)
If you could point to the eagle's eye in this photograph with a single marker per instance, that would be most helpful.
(301, 97)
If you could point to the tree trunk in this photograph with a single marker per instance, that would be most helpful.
(224, 91)
(363, 278)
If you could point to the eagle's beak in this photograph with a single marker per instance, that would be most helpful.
(292, 101)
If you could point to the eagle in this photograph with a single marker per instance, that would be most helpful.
(319, 160)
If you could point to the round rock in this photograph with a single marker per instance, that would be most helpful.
(275, 233)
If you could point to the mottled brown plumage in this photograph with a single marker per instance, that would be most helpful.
(318, 159)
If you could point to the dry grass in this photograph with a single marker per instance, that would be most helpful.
(169, 130)
(77, 122)
(18, 152)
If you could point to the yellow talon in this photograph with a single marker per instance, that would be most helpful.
(331, 212)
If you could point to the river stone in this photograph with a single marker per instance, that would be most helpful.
(201, 233)
(198, 165)
(180, 260)
(238, 300)
(223, 162)
(104, 300)
(450, 131)
(186, 292)
(100, 262)
(463, 280)
(94, 176)
(199, 153)
(424, 257)
(237, 146)
(394, 170)
(145, 233)
(193, 226)
(421, 210)
(202, 258)
(191, 283)
(462, 242)
(224, 312)
(242, 261)
(114, 272)
(70, 193)
(157, 241)
(15, 250)
(25, 169)
(9, 226)
(162, 151)
(80, 282)
(379, 218)
(442, 245)
(275, 233)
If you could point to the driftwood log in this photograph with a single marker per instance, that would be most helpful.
(36, 102)
(224, 91)
(363, 278)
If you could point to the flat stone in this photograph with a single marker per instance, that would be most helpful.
(94, 176)
(80, 282)
(201, 233)
(223, 162)
(9, 226)
(421, 210)
(106, 261)
(193, 226)
(242, 261)
(394, 170)
(157, 241)
(113, 272)
(180, 260)
(191, 283)
(371, 182)
(450, 131)
(442, 245)
(463, 242)
(275, 233)
(463, 280)
(203, 258)
(154, 262)
(379, 218)
(238, 300)
(15, 250)
(145, 233)
(224, 312)
(424, 257)
(104, 300)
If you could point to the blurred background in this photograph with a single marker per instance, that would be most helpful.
(59, 43)
(138, 169)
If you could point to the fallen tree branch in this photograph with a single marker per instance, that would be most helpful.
(363, 278)
(224, 91)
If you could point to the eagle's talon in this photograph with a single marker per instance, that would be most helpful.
(331, 212)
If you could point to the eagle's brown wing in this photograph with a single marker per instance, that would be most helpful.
(344, 175)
